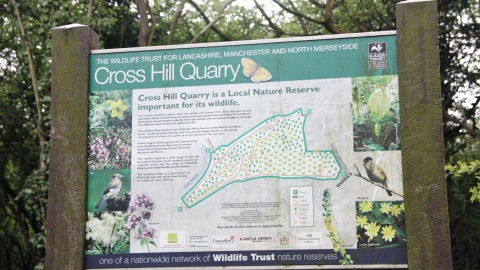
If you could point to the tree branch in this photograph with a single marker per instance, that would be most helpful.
(300, 19)
(359, 26)
(154, 25)
(318, 4)
(472, 131)
(99, 14)
(464, 172)
(298, 13)
(278, 30)
(376, 184)
(89, 11)
(207, 20)
(173, 25)
(381, 17)
(328, 18)
(327, 24)
(143, 33)
(33, 75)
(220, 15)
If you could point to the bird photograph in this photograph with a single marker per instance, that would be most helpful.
(112, 189)
(375, 173)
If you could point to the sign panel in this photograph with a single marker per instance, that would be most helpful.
(256, 154)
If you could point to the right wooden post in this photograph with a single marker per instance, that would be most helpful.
(423, 157)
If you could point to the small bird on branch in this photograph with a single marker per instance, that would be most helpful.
(112, 190)
(376, 173)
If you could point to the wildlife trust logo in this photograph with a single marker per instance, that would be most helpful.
(223, 241)
(377, 55)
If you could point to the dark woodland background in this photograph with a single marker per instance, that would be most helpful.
(25, 71)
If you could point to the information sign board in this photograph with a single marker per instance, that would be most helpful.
(260, 154)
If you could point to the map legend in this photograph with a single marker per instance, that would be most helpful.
(301, 206)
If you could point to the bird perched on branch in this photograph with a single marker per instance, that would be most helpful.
(112, 190)
(375, 173)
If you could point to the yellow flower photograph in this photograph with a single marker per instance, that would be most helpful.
(110, 109)
(396, 210)
(380, 224)
(117, 109)
(362, 221)
(371, 229)
(388, 233)
(366, 206)
(385, 208)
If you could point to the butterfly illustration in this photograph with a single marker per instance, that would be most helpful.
(255, 72)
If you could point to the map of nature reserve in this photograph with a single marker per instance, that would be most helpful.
(275, 148)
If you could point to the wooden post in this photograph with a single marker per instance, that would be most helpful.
(68, 153)
(422, 136)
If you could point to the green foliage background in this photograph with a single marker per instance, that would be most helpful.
(25, 71)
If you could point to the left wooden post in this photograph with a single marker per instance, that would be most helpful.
(71, 45)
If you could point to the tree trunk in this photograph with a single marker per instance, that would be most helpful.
(143, 35)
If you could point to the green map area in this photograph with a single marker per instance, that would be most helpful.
(275, 148)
